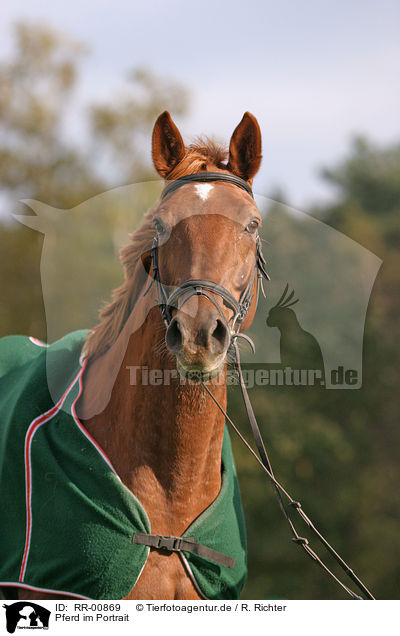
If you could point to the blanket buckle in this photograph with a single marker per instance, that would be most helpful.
(170, 543)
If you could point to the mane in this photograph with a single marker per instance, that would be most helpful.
(201, 155)
(114, 315)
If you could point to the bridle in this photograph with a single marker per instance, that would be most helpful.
(201, 287)
(240, 309)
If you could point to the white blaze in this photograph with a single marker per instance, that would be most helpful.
(203, 190)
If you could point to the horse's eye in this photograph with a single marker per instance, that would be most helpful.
(160, 229)
(252, 227)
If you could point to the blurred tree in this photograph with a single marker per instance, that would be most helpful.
(368, 210)
(39, 161)
(35, 90)
(121, 128)
(337, 451)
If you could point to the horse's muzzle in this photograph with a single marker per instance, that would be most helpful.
(200, 341)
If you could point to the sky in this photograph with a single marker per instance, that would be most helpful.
(315, 73)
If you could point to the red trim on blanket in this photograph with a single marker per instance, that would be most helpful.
(33, 588)
(33, 427)
(37, 342)
(83, 429)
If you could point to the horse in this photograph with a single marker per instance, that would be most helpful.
(163, 443)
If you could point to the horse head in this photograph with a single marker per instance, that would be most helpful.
(206, 255)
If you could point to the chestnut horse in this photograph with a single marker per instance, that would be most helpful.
(165, 441)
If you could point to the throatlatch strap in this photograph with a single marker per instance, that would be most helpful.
(187, 544)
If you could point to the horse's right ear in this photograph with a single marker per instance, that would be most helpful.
(167, 145)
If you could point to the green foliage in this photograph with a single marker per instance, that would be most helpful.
(370, 177)
(38, 161)
(35, 87)
(337, 451)
(121, 127)
(21, 301)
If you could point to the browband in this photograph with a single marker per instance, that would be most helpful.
(204, 177)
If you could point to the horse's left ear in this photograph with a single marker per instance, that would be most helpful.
(168, 148)
(245, 148)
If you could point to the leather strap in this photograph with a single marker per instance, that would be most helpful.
(202, 287)
(186, 544)
(265, 463)
(196, 287)
(206, 177)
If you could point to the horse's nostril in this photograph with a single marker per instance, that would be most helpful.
(219, 336)
(173, 337)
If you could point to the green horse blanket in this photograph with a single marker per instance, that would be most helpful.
(67, 522)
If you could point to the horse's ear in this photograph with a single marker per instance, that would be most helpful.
(245, 148)
(167, 145)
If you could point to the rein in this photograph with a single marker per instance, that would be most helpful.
(265, 463)
(204, 287)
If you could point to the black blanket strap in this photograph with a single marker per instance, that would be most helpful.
(187, 544)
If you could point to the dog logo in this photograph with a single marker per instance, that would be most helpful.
(27, 615)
